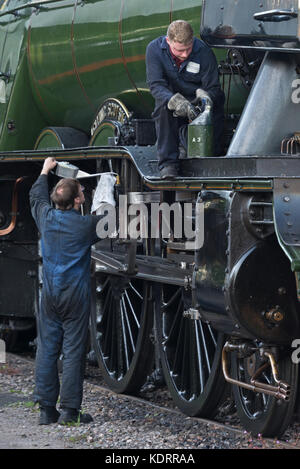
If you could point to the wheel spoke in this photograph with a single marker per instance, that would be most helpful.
(102, 286)
(111, 357)
(183, 357)
(128, 325)
(170, 301)
(212, 335)
(132, 310)
(199, 356)
(107, 299)
(125, 347)
(109, 327)
(204, 346)
(177, 355)
(177, 319)
(135, 290)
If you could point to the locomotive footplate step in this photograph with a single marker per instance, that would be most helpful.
(145, 160)
(227, 167)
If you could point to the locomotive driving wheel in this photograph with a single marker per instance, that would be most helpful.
(121, 324)
(263, 414)
(190, 353)
(122, 309)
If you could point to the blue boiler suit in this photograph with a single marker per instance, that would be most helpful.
(62, 322)
(200, 70)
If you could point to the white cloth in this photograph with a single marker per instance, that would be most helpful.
(104, 193)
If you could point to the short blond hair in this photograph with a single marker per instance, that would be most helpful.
(180, 31)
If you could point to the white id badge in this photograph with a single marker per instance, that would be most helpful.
(193, 67)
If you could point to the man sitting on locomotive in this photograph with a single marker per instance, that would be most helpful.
(181, 69)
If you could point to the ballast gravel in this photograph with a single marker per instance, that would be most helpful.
(119, 422)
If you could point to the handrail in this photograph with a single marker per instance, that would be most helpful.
(276, 15)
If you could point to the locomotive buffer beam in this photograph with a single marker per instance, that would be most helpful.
(154, 269)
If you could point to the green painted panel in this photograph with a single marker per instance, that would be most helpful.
(19, 119)
(53, 79)
(77, 54)
(21, 111)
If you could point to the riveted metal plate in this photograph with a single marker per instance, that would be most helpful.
(287, 210)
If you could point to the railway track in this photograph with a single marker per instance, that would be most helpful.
(151, 416)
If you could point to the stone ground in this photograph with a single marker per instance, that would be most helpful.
(119, 422)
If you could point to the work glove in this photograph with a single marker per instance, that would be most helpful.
(182, 107)
(202, 98)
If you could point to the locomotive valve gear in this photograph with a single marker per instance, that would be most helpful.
(182, 107)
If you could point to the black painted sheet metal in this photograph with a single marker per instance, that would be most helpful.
(286, 194)
(146, 162)
(145, 159)
(242, 167)
(287, 210)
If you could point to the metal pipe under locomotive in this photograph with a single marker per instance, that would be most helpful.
(72, 85)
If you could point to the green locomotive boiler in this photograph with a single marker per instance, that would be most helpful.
(217, 315)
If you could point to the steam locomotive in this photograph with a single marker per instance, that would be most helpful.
(220, 316)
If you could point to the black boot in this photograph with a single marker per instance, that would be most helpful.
(48, 415)
(71, 416)
(169, 172)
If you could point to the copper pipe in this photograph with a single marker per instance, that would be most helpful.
(281, 391)
(14, 208)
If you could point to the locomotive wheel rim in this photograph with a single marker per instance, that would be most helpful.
(259, 413)
(120, 331)
(190, 353)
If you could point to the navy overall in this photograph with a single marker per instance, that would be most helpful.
(164, 78)
(63, 318)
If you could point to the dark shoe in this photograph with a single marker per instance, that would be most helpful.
(169, 172)
(48, 415)
(72, 416)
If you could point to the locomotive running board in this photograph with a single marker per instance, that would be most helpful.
(248, 169)
(280, 391)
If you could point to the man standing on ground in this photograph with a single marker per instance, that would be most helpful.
(181, 68)
(63, 317)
